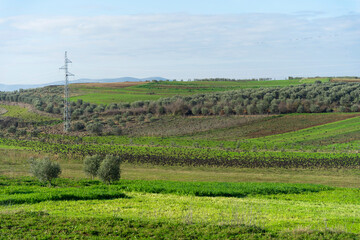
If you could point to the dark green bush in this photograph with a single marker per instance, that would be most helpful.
(78, 126)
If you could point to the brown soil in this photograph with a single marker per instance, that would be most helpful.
(289, 123)
(345, 80)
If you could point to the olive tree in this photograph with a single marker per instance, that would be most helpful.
(109, 169)
(44, 169)
(92, 164)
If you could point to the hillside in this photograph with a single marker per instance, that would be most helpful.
(256, 159)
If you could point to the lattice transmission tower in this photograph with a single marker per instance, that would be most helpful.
(67, 112)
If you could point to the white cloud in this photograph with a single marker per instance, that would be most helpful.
(180, 46)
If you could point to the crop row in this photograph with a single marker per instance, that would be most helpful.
(195, 156)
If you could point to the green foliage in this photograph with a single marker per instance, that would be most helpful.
(15, 192)
(92, 164)
(44, 169)
(109, 169)
(12, 129)
(217, 189)
(78, 126)
(94, 128)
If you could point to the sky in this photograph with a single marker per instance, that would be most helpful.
(179, 39)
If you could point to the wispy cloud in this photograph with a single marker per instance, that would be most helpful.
(182, 45)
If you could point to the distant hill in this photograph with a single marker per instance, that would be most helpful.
(4, 87)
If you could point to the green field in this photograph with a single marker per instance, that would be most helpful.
(24, 114)
(253, 209)
(157, 90)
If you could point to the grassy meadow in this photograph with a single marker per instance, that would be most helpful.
(24, 114)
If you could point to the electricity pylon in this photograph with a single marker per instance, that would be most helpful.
(67, 112)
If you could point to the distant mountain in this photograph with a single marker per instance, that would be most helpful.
(4, 87)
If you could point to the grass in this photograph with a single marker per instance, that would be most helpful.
(42, 225)
(14, 163)
(24, 114)
(29, 191)
(312, 211)
(156, 90)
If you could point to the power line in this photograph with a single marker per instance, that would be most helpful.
(67, 111)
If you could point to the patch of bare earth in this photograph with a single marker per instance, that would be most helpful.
(345, 80)
(273, 125)
(178, 126)
(289, 123)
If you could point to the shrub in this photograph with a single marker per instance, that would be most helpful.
(204, 111)
(314, 108)
(44, 169)
(22, 132)
(109, 169)
(35, 133)
(141, 118)
(91, 165)
(195, 111)
(116, 131)
(12, 129)
(153, 119)
(78, 126)
(355, 108)
(95, 128)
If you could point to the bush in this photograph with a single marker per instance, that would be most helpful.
(35, 133)
(22, 132)
(78, 126)
(153, 119)
(141, 118)
(204, 111)
(44, 169)
(91, 165)
(109, 169)
(355, 108)
(95, 128)
(12, 129)
(116, 131)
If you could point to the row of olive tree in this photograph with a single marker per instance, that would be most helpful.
(305, 98)
(107, 169)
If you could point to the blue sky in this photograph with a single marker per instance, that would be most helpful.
(178, 39)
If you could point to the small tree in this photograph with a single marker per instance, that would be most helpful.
(44, 169)
(95, 128)
(91, 165)
(78, 126)
(12, 129)
(109, 170)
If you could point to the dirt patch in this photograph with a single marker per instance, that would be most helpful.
(108, 85)
(345, 80)
(290, 123)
